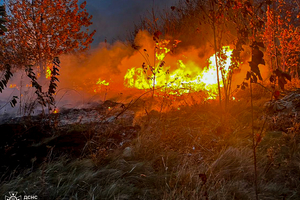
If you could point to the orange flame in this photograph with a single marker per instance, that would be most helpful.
(99, 84)
(56, 110)
(48, 72)
(187, 78)
(12, 85)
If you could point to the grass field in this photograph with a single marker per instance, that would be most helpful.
(183, 150)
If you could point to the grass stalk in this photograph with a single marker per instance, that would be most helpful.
(254, 145)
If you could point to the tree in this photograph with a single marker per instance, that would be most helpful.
(281, 36)
(40, 30)
(2, 20)
(7, 74)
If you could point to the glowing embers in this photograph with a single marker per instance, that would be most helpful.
(12, 85)
(55, 111)
(186, 78)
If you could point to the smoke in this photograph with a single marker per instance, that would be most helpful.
(110, 62)
(80, 73)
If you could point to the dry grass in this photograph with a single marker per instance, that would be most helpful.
(81, 179)
(186, 153)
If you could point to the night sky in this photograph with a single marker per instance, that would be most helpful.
(114, 19)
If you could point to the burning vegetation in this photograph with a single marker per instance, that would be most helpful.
(200, 102)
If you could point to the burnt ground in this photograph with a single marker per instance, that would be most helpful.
(28, 142)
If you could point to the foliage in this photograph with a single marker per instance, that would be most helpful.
(281, 36)
(35, 84)
(7, 76)
(37, 32)
(3, 84)
(53, 79)
(45, 98)
(280, 77)
(7, 68)
(40, 30)
(3, 29)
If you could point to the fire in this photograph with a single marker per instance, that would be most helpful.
(48, 72)
(99, 84)
(162, 46)
(186, 78)
(12, 85)
(211, 72)
(55, 111)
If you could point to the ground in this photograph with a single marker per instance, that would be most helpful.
(154, 149)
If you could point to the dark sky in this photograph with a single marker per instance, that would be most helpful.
(114, 19)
